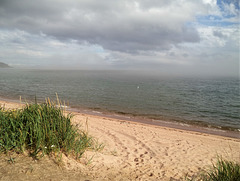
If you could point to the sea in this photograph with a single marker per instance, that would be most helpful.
(208, 102)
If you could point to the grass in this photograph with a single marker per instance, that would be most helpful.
(223, 170)
(41, 129)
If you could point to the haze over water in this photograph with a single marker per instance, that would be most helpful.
(206, 101)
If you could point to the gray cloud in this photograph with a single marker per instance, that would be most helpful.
(218, 34)
(125, 26)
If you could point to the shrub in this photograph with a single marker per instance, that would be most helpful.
(223, 170)
(41, 128)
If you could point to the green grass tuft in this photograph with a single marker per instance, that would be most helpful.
(223, 170)
(41, 129)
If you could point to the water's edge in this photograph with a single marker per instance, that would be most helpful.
(180, 125)
(163, 123)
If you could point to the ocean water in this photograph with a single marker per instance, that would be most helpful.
(206, 101)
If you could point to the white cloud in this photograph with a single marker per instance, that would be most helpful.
(229, 9)
(20, 48)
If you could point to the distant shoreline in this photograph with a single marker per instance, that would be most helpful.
(143, 120)
(4, 65)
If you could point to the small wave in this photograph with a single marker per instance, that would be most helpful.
(96, 112)
(121, 116)
(215, 129)
(182, 124)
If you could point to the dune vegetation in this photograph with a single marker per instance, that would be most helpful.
(223, 170)
(41, 129)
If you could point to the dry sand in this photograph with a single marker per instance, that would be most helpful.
(136, 151)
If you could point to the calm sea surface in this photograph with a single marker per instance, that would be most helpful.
(214, 102)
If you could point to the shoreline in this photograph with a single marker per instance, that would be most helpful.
(181, 125)
(163, 123)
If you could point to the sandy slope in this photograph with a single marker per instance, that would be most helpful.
(135, 151)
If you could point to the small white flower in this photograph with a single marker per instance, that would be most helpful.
(45, 147)
(52, 146)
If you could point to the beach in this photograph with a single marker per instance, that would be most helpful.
(138, 151)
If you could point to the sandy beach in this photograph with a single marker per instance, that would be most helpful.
(137, 151)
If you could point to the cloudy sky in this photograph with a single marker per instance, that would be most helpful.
(171, 36)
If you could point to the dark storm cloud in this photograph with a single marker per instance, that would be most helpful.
(123, 26)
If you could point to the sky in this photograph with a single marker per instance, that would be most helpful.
(192, 37)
